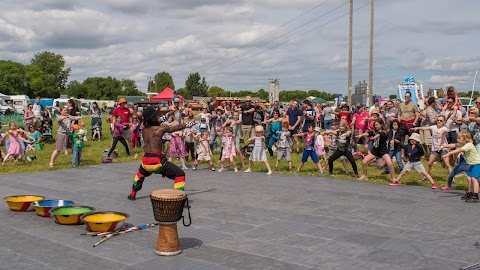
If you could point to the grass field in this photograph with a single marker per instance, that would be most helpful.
(92, 154)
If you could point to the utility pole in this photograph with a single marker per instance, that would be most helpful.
(350, 56)
(149, 83)
(370, 72)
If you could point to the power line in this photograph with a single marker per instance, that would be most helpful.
(307, 32)
(301, 15)
(265, 43)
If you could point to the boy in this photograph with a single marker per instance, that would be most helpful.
(284, 145)
(309, 148)
(78, 144)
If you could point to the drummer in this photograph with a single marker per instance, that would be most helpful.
(154, 161)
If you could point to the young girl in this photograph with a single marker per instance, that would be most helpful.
(258, 152)
(236, 124)
(203, 149)
(284, 145)
(396, 137)
(320, 145)
(343, 147)
(83, 130)
(177, 148)
(96, 131)
(14, 149)
(473, 159)
(332, 141)
(118, 127)
(189, 137)
(414, 152)
(309, 148)
(379, 138)
(228, 152)
(35, 135)
(135, 132)
(439, 139)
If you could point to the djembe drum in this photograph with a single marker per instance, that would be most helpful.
(168, 207)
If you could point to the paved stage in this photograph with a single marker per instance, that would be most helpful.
(245, 221)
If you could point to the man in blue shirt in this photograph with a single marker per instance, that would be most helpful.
(309, 113)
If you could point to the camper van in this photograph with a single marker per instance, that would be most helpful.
(19, 102)
(5, 108)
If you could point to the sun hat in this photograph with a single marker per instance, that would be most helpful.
(122, 100)
(375, 111)
(219, 108)
(176, 100)
(415, 137)
(259, 129)
(317, 129)
(149, 113)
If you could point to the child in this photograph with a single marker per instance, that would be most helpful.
(439, 139)
(320, 144)
(78, 144)
(236, 124)
(378, 139)
(189, 135)
(309, 148)
(14, 148)
(83, 130)
(118, 136)
(258, 152)
(396, 137)
(177, 148)
(342, 147)
(331, 141)
(473, 159)
(203, 149)
(284, 145)
(96, 131)
(203, 125)
(228, 152)
(414, 152)
(135, 132)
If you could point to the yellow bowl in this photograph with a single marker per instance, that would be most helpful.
(22, 203)
(104, 221)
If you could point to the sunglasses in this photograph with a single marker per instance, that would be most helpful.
(439, 121)
(471, 113)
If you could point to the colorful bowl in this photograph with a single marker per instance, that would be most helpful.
(70, 215)
(104, 221)
(43, 207)
(22, 202)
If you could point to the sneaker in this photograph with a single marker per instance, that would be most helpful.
(394, 183)
(132, 195)
(213, 169)
(434, 186)
(467, 195)
(446, 188)
(321, 173)
(295, 172)
(221, 169)
(356, 176)
(235, 170)
(361, 178)
(194, 168)
(248, 170)
(184, 168)
(269, 172)
(473, 199)
(74, 166)
(330, 174)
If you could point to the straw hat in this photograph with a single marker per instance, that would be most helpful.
(259, 129)
(219, 108)
(415, 137)
(375, 111)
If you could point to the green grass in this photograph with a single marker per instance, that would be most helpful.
(92, 154)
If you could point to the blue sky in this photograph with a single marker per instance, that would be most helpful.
(226, 41)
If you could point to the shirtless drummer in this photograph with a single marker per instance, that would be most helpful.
(154, 161)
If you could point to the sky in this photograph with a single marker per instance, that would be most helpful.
(241, 44)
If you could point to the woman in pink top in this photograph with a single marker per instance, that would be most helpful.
(360, 119)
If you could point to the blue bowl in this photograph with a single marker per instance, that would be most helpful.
(43, 207)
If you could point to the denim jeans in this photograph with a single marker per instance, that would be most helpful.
(327, 124)
(77, 155)
(462, 166)
(398, 157)
(270, 143)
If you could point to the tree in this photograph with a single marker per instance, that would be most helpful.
(163, 80)
(52, 66)
(216, 91)
(194, 86)
(392, 97)
(77, 89)
(262, 94)
(12, 78)
(184, 93)
(129, 88)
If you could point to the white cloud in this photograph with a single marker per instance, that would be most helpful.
(450, 80)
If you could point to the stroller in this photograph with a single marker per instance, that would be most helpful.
(46, 130)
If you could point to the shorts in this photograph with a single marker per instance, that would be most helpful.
(293, 132)
(309, 153)
(414, 165)
(452, 137)
(283, 153)
(439, 153)
(380, 152)
(127, 133)
(330, 153)
(474, 171)
(362, 140)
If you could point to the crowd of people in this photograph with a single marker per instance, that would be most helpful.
(395, 131)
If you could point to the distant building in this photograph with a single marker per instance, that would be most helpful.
(274, 90)
(360, 96)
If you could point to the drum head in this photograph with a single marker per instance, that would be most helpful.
(168, 194)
